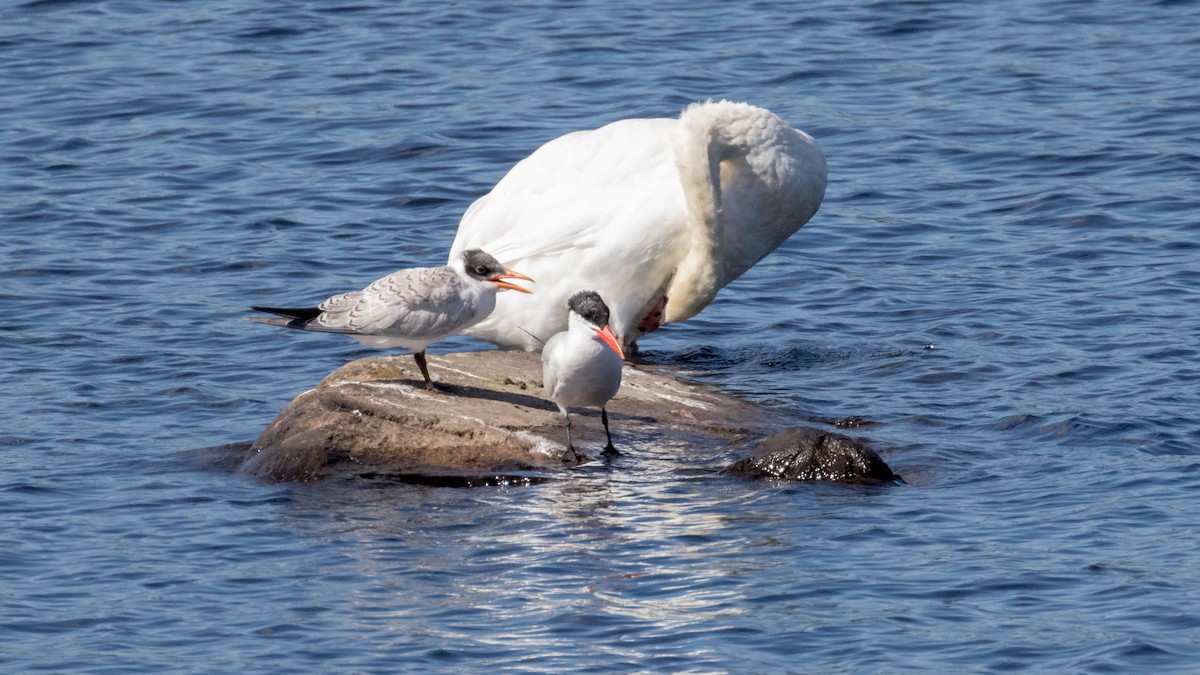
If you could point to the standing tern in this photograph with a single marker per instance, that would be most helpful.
(656, 215)
(409, 308)
(581, 366)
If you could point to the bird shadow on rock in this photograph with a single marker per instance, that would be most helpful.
(500, 396)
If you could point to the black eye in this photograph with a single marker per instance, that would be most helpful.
(481, 270)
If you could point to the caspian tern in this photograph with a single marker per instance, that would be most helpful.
(581, 366)
(656, 215)
(409, 308)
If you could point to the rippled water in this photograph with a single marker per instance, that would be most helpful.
(1004, 276)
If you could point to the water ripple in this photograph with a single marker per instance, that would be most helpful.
(1001, 281)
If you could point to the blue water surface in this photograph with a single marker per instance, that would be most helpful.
(1004, 276)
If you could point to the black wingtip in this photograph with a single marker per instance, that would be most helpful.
(301, 313)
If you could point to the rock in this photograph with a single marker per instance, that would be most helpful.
(805, 453)
(373, 416)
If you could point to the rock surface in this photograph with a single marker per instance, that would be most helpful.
(805, 453)
(373, 415)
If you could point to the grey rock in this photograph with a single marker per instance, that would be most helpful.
(373, 416)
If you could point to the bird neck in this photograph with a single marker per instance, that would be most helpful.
(749, 181)
(459, 266)
(580, 328)
(696, 281)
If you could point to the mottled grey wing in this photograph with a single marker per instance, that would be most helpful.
(419, 303)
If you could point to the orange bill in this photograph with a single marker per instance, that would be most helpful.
(606, 334)
(509, 274)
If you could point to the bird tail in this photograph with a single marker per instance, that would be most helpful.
(288, 317)
(302, 313)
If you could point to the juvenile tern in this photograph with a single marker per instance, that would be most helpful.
(656, 215)
(581, 366)
(409, 308)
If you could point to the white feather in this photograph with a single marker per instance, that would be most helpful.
(641, 209)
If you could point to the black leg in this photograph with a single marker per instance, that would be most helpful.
(610, 449)
(570, 455)
(419, 357)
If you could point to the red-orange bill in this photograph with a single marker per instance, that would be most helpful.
(606, 334)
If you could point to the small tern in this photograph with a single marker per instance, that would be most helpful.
(409, 308)
(581, 366)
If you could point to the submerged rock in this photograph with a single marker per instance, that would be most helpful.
(373, 416)
(805, 453)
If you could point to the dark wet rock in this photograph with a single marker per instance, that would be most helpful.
(806, 454)
(854, 422)
(374, 417)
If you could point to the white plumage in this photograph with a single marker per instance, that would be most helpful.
(581, 366)
(654, 214)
